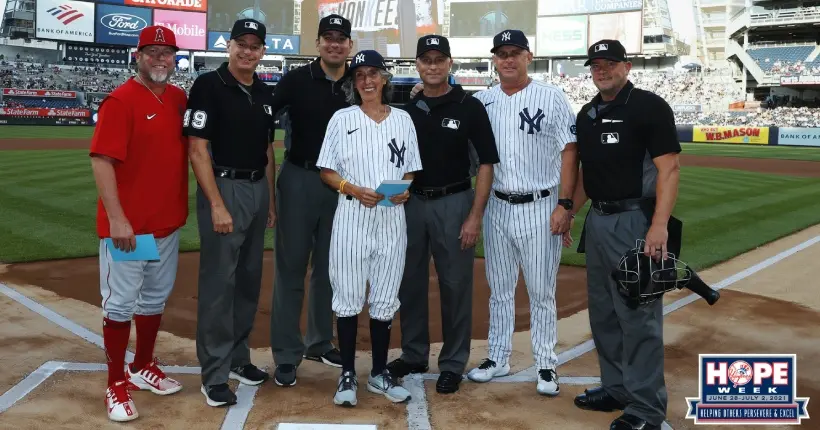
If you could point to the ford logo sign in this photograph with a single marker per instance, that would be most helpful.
(123, 22)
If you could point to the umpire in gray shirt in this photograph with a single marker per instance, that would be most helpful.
(443, 215)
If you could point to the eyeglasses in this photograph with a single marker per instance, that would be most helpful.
(158, 52)
(361, 75)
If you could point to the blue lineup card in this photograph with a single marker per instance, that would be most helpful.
(391, 188)
(146, 249)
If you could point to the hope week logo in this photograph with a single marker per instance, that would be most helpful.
(747, 389)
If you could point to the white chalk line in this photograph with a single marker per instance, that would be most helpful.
(529, 374)
(417, 410)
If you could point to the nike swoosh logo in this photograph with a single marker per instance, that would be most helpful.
(487, 104)
(150, 116)
(352, 131)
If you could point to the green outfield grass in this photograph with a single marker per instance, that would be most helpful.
(47, 209)
(753, 151)
(56, 132)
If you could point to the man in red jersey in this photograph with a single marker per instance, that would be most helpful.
(139, 158)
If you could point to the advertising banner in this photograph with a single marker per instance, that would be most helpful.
(792, 136)
(45, 112)
(183, 5)
(800, 80)
(17, 92)
(6, 120)
(276, 43)
(189, 27)
(752, 135)
(391, 27)
(581, 7)
(65, 20)
(96, 54)
(626, 27)
(562, 35)
(121, 25)
(687, 108)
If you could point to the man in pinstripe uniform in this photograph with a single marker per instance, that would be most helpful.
(527, 213)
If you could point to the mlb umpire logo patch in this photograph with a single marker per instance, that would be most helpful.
(450, 123)
(610, 138)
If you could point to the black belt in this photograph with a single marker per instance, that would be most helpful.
(429, 193)
(521, 198)
(617, 206)
(301, 162)
(249, 174)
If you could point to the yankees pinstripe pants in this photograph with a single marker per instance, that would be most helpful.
(367, 244)
(518, 235)
(629, 342)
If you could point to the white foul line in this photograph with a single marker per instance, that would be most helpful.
(56, 318)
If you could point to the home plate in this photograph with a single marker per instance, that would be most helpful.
(306, 426)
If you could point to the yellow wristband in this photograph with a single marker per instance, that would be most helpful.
(342, 186)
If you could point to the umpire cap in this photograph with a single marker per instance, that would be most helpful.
(607, 49)
(248, 26)
(433, 42)
(335, 22)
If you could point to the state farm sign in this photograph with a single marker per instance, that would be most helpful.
(39, 93)
(43, 112)
(187, 5)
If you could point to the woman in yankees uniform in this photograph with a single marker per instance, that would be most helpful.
(366, 144)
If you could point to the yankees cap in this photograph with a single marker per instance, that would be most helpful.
(433, 42)
(607, 49)
(367, 57)
(157, 35)
(334, 22)
(510, 37)
(248, 26)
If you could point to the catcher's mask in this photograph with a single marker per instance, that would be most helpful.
(642, 280)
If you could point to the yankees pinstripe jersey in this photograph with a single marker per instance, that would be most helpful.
(366, 153)
(531, 129)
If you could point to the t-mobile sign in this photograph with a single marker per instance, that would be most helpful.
(189, 27)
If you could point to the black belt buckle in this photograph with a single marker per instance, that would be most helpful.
(438, 192)
(256, 175)
(517, 199)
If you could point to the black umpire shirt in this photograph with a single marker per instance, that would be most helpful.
(235, 118)
(616, 137)
(444, 126)
(312, 99)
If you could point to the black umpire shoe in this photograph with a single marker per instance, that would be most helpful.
(597, 399)
(631, 422)
(285, 375)
(248, 375)
(400, 368)
(448, 382)
(331, 358)
(218, 395)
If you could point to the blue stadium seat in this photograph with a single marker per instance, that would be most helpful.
(766, 57)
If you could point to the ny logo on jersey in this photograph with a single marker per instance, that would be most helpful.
(534, 124)
(396, 154)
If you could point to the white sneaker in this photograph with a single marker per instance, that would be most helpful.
(548, 383)
(386, 385)
(154, 379)
(346, 390)
(488, 370)
(119, 403)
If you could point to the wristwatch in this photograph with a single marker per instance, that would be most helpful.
(566, 203)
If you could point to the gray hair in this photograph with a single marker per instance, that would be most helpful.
(352, 94)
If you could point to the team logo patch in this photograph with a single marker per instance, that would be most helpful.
(252, 25)
(747, 389)
(505, 36)
(450, 123)
(610, 138)
(335, 21)
(160, 36)
(360, 58)
(268, 109)
(601, 47)
(533, 122)
(432, 41)
(396, 153)
(573, 129)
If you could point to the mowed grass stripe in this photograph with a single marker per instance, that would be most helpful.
(753, 151)
(62, 132)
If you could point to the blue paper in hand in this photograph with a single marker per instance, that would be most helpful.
(146, 249)
(391, 188)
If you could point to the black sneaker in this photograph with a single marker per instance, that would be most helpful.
(331, 358)
(218, 395)
(400, 368)
(448, 382)
(248, 375)
(285, 375)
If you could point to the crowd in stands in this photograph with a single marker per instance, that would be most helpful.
(677, 88)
